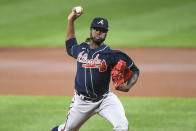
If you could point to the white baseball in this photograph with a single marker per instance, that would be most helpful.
(78, 9)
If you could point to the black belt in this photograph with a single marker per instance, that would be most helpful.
(85, 98)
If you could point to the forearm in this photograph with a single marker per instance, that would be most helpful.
(134, 77)
(125, 87)
(132, 81)
(70, 23)
(70, 29)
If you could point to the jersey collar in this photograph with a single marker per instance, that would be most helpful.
(99, 48)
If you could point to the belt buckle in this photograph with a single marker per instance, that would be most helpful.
(82, 96)
(94, 99)
(89, 99)
(85, 98)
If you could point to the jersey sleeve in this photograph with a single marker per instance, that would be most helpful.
(118, 55)
(72, 47)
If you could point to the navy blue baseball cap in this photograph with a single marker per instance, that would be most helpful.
(100, 23)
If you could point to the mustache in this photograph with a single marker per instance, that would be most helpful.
(97, 41)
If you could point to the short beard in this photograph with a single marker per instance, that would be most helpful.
(97, 42)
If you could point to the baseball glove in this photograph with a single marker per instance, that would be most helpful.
(120, 75)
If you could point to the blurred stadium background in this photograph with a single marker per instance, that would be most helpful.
(137, 24)
(133, 23)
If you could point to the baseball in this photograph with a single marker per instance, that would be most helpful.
(78, 9)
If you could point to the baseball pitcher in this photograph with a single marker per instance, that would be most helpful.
(96, 65)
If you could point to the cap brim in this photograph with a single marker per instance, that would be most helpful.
(99, 27)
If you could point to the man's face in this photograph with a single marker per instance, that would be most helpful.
(98, 35)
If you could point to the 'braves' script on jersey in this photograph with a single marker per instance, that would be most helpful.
(92, 63)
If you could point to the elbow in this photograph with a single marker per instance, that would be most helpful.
(68, 52)
(132, 80)
(69, 36)
(136, 72)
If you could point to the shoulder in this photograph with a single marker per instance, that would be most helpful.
(111, 51)
(84, 44)
(117, 52)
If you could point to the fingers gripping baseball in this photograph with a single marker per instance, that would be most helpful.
(76, 12)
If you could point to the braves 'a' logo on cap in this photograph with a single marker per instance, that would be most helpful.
(100, 22)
